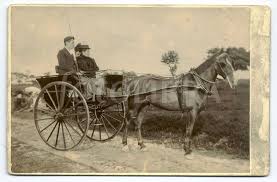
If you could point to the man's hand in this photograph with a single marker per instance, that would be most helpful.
(82, 72)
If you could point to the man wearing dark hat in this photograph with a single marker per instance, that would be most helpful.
(66, 58)
(85, 62)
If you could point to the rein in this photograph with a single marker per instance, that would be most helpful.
(201, 79)
(196, 74)
(180, 85)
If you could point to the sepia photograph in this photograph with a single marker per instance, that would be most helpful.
(138, 90)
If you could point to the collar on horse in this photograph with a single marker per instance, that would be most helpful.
(200, 81)
(200, 85)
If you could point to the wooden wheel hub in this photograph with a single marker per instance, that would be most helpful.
(59, 117)
(99, 112)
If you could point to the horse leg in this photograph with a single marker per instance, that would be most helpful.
(188, 131)
(126, 124)
(139, 123)
(125, 133)
(129, 118)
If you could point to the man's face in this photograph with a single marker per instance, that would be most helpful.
(86, 52)
(70, 44)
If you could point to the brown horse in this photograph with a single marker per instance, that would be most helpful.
(185, 93)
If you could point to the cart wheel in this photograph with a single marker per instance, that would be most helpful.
(106, 122)
(55, 113)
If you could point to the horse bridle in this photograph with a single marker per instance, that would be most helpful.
(201, 79)
(221, 69)
(202, 86)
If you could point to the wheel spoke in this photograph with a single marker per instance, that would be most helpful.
(119, 111)
(63, 136)
(73, 128)
(67, 102)
(93, 129)
(47, 126)
(80, 123)
(43, 119)
(69, 133)
(112, 117)
(50, 107)
(51, 99)
(77, 114)
(83, 121)
(57, 136)
(74, 106)
(121, 115)
(109, 123)
(57, 97)
(91, 123)
(106, 130)
(107, 111)
(63, 89)
(77, 104)
(99, 131)
(46, 111)
(52, 131)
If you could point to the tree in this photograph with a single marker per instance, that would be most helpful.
(239, 55)
(171, 59)
(213, 51)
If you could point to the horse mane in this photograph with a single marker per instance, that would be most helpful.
(237, 55)
(202, 67)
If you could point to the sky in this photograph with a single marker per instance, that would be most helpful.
(124, 38)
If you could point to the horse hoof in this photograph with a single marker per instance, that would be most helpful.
(143, 149)
(189, 156)
(125, 148)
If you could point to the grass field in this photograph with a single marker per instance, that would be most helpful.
(221, 126)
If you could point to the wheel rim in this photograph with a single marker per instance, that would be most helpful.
(106, 122)
(55, 113)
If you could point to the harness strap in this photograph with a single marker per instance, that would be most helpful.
(198, 76)
(180, 94)
(200, 80)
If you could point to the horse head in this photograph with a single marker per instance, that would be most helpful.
(224, 67)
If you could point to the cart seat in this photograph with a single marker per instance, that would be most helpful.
(60, 70)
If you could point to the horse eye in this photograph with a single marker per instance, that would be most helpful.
(222, 64)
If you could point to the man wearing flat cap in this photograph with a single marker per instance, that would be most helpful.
(85, 62)
(66, 57)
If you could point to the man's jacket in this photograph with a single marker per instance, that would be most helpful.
(66, 61)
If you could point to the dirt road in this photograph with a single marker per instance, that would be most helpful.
(31, 155)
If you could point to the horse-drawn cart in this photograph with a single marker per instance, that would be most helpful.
(64, 115)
